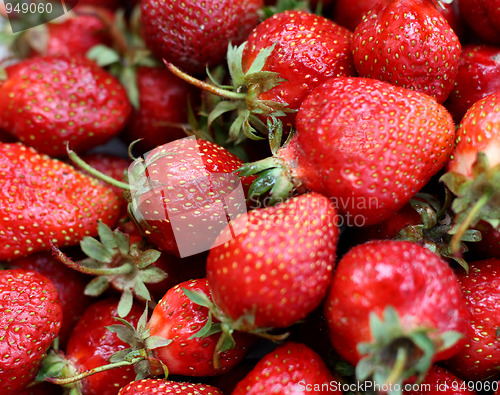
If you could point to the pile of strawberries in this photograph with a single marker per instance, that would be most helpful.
(310, 202)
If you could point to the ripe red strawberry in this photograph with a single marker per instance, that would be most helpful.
(489, 245)
(163, 108)
(92, 344)
(478, 76)
(369, 155)
(438, 381)
(474, 168)
(279, 268)
(190, 352)
(111, 165)
(395, 300)
(68, 283)
(45, 201)
(290, 368)
(30, 319)
(480, 358)
(80, 103)
(483, 17)
(409, 44)
(164, 387)
(193, 34)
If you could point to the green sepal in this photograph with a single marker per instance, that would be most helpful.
(125, 303)
(141, 291)
(106, 235)
(147, 258)
(234, 56)
(94, 249)
(97, 286)
(103, 55)
(153, 342)
(260, 61)
(198, 298)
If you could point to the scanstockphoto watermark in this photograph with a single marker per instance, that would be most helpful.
(362, 387)
(26, 14)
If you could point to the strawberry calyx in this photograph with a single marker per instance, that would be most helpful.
(433, 231)
(243, 96)
(116, 262)
(477, 198)
(396, 354)
(57, 365)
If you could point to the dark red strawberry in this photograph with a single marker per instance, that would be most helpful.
(409, 44)
(91, 345)
(278, 269)
(162, 112)
(366, 153)
(193, 34)
(480, 358)
(483, 17)
(489, 245)
(45, 201)
(473, 171)
(30, 319)
(166, 387)
(112, 5)
(439, 381)
(478, 76)
(80, 104)
(111, 165)
(42, 389)
(290, 368)
(69, 284)
(395, 302)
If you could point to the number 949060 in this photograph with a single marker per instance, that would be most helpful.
(28, 7)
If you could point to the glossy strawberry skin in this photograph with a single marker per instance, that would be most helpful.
(163, 108)
(184, 195)
(438, 381)
(478, 132)
(70, 286)
(164, 387)
(91, 345)
(44, 200)
(81, 104)
(408, 44)
(480, 357)
(193, 34)
(478, 76)
(483, 17)
(309, 50)
(288, 369)
(177, 318)
(368, 157)
(420, 286)
(30, 319)
(279, 267)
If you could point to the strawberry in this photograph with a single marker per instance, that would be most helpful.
(483, 17)
(480, 357)
(285, 57)
(68, 283)
(45, 201)
(164, 387)
(367, 154)
(409, 44)
(489, 245)
(478, 71)
(265, 276)
(290, 368)
(30, 319)
(91, 345)
(474, 168)
(193, 34)
(438, 381)
(393, 308)
(82, 104)
(162, 109)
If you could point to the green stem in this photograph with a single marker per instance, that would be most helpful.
(398, 368)
(96, 173)
(203, 85)
(466, 223)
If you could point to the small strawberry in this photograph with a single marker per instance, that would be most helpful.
(438, 381)
(393, 308)
(483, 17)
(409, 44)
(30, 319)
(279, 268)
(474, 169)
(480, 358)
(68, 283)
(368, 154)
(80, 104)
(44, 201)
(290, 368)
(478, 76)
(166, 387)
(194, 34)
